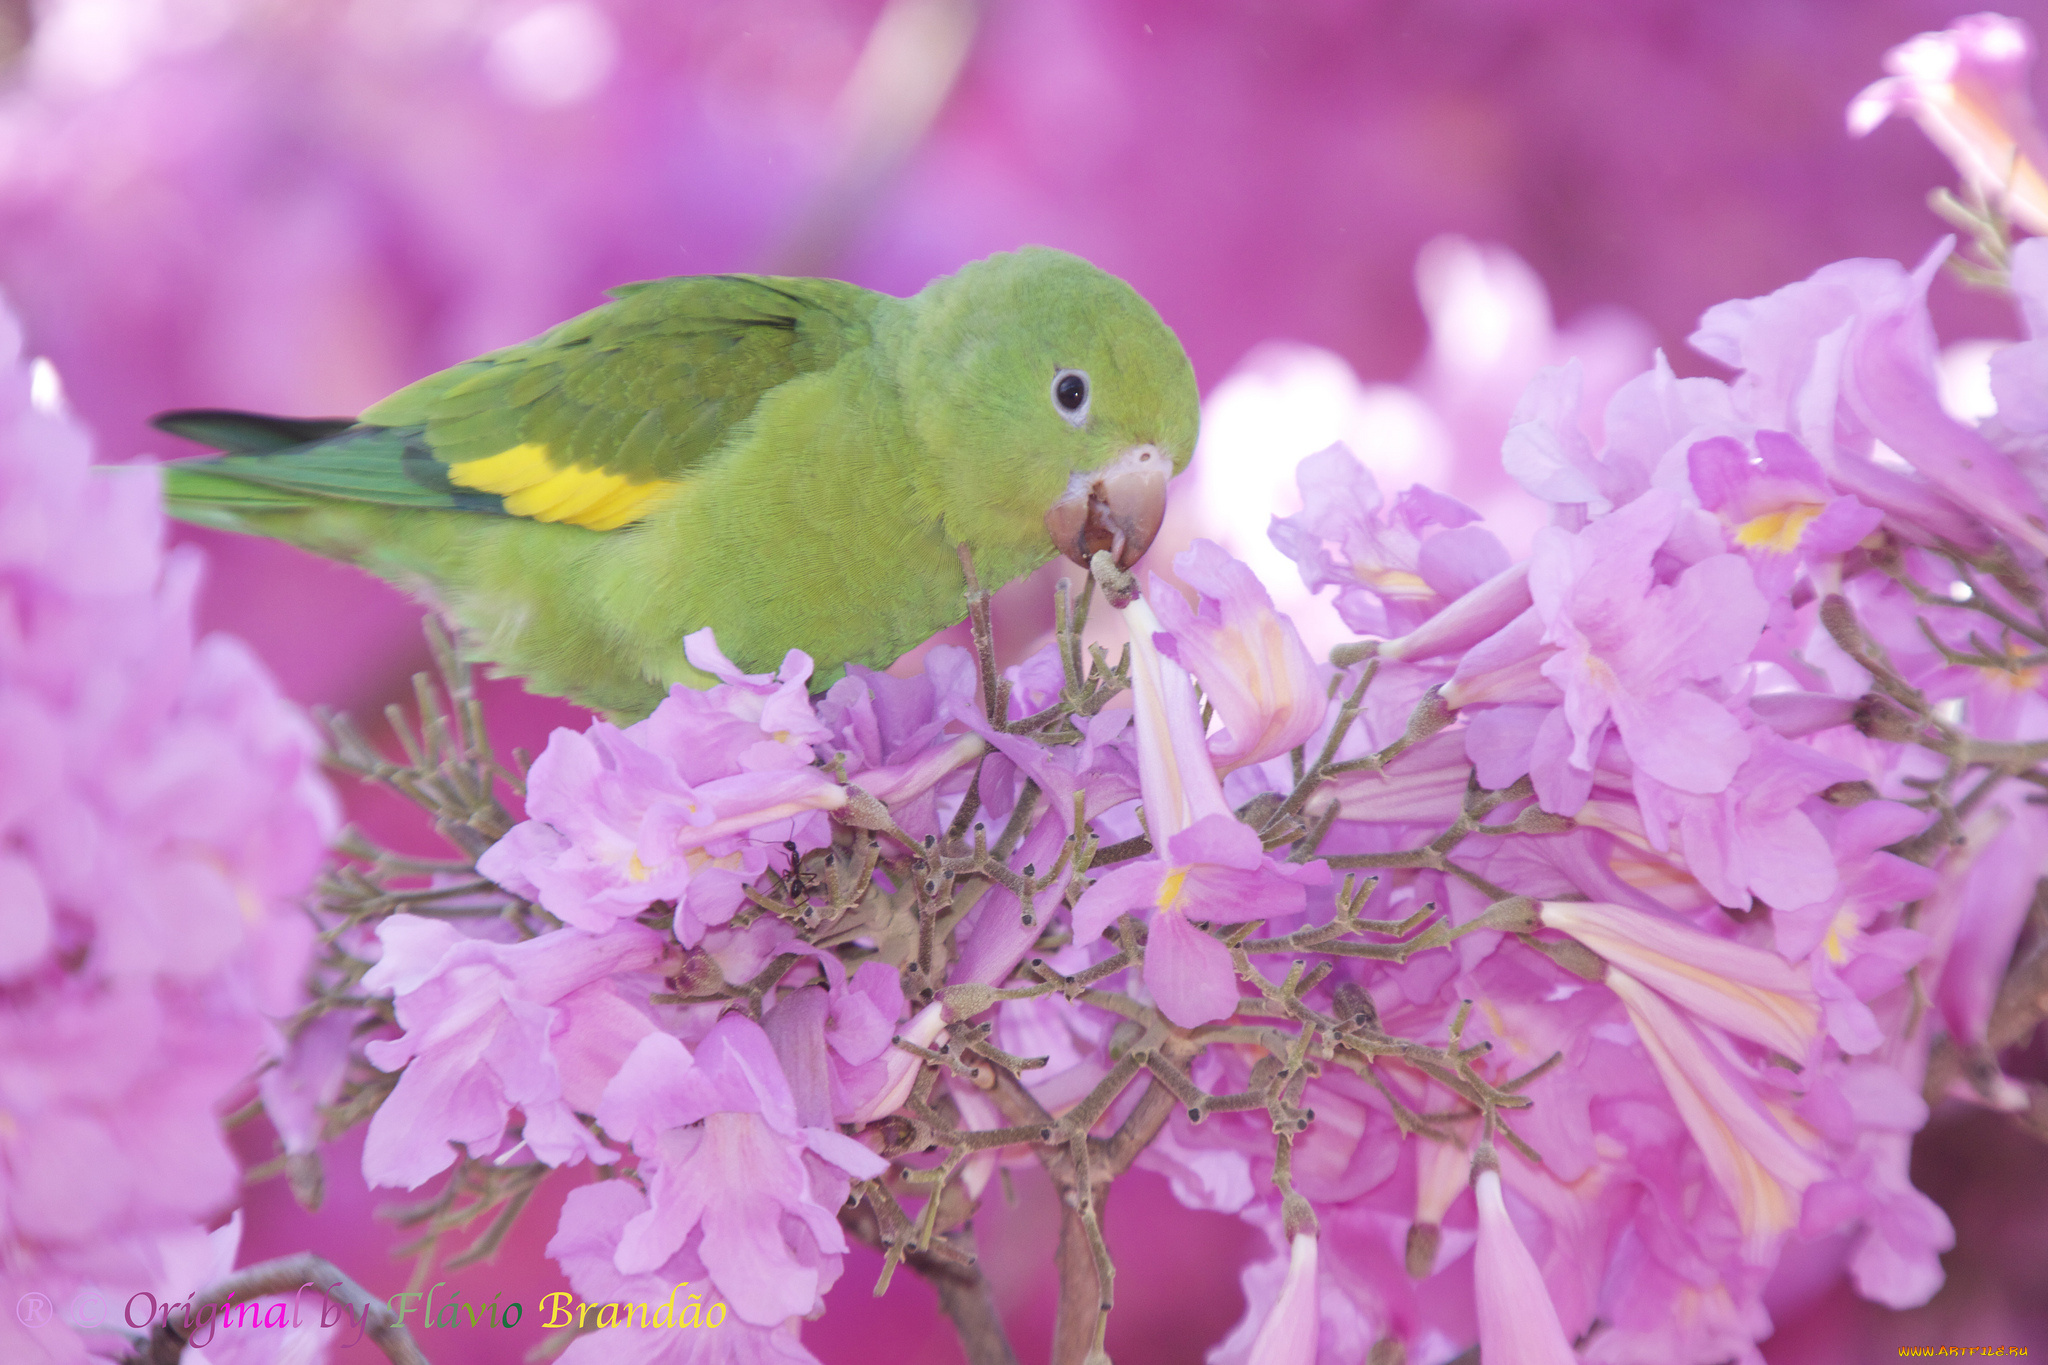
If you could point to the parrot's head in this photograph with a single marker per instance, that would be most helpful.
(1053, 405)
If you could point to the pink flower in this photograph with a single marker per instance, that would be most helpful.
(1845, 359)
(2019, 373)
(1426, 782)
(1214, 870)
(1745, 990)
(1470, 618)
(1398, 565)
(1267, 691)
(1517, 1323)
(835, 1044)
(750, 722)
(893, 732)
(664, 1307)
(1628, 646)
(1755, 837)
(993, 937)
(539, 1026)
(1288, 1336)
(682, 807)
(899, 1068)
(1623, 648)
(161, 815)
(110, 1098)
(1967, 89)
(1756, 1157)
(1850, 940)
(1871, 1109)
(733, 1175)
(1976, 914)
(308, 1077)
(1211, 864)
(1547, 451)
(1777, 505)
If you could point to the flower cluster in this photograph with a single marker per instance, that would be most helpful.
(1593, 929)
(160, 814)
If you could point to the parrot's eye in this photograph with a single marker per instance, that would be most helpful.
(1070, 395)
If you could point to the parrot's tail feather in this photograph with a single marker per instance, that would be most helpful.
(248, 433)
(389, 466)
(199, 495)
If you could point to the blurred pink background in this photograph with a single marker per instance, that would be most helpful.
(298, 205)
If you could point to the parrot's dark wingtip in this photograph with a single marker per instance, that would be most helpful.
(247, 433)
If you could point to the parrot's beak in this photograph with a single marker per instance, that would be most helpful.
(1117, 508)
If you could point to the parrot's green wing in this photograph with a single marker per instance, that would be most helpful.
(591, 423)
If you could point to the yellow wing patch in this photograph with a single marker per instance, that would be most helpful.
(533, 485)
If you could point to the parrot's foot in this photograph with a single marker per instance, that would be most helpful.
(1091, 680)
(995, 688)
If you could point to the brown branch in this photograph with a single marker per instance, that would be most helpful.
(1080, 1316)
(956, 1276)
(964, 1294)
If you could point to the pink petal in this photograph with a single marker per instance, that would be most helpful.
(1517, 1322)
(1189, 973)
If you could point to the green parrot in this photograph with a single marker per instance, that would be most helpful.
(797, 463)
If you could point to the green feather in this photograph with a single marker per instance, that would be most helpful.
(690, 357)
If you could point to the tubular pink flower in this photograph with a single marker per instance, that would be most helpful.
(1175, 774)
(1442, 1170)
(1745, 990)
(1289, 1334)
(729, 806)
(1761, 1169)
(1426, 782)
(907, 781)
(834, 1041)
(1967, 89)
(1517, 1322)
(900, 1067)
(1469, 619)
(1253, 666)
(1211, 866)
(1506, 666)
